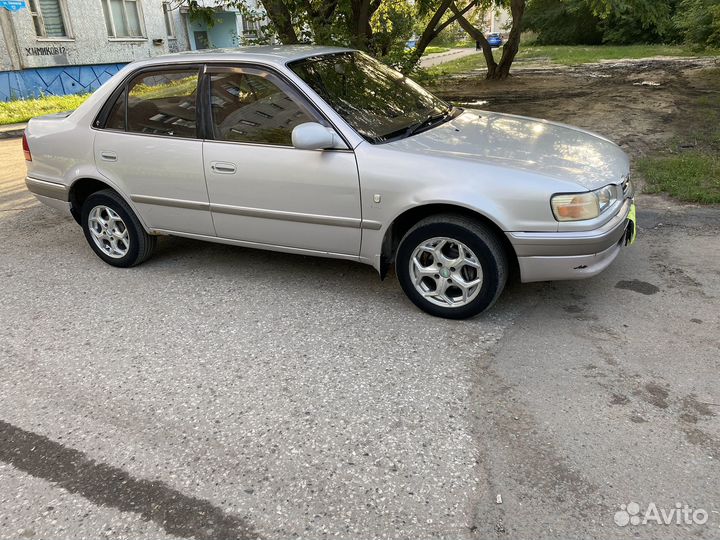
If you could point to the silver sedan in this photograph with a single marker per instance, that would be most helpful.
(325, 151)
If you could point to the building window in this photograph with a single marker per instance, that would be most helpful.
(169, 26)
(48, 18)
(202, 41)
(123, 18)
(250, 27)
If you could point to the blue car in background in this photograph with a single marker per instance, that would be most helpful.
(495, 40)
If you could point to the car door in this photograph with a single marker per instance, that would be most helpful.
(262, 189)
(148, 146)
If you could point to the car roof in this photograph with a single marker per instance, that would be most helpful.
(267, 54)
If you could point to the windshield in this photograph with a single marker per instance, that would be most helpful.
(380, 103)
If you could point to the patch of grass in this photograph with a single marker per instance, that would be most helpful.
(690, 177)
(694, 175)
(574, 55)
(571, 55)
(22, 110)
(435, 50)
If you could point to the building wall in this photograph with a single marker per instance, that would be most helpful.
(5, 63)
(83, 61)
(223, 34)
(90, 43)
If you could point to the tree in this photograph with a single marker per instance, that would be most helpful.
(496, 70)
(635, 21)
(435, 21)
(391, 25)
(698, 21)
(563, 22)
(354, 23)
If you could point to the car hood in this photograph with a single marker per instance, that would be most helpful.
(538, 146)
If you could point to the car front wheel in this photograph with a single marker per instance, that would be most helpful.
(113, 230)
(451, 266)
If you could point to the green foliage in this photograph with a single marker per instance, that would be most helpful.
(639, 23)
(559, 22)
(699, 22)
(591, 22)
(13, 112)
(391, 25)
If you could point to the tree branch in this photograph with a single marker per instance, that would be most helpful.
(477, 35)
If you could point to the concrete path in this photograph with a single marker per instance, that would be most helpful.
(441, 58)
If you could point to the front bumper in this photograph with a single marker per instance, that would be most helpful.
(571, 255)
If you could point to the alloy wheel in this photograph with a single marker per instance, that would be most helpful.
(109, 231)
(446, 272)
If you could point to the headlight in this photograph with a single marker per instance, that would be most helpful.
(581, 206)
(606, 197)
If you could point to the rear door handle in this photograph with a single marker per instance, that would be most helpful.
(222, 167)
(108, 156)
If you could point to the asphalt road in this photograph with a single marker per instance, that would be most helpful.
(219, 392)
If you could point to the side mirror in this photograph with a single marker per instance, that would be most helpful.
(314, 136)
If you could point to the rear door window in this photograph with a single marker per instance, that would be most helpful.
(161, 102)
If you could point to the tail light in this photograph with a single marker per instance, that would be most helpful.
(26, 149)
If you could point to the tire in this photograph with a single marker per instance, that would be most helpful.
(124, 240)
(439, 239)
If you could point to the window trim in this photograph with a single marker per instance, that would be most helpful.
(203, 105)
(281, 84)
(64, 15)
(103, 115)
(299, 94)
(110, 17)
(169, 22)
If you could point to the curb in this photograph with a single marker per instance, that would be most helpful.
(12, 133)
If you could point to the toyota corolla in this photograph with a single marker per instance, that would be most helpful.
(325, 151)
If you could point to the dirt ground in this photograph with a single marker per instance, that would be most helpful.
(646, 106)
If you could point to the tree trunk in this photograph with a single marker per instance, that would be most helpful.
(359, 25)
(430, 31)
(477, 35)
(501, 70)
(281, 18)
(433, 29)
(510, 49)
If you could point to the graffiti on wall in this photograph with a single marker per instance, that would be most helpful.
(45, 51)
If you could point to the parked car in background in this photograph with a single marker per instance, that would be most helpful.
(495, 40)
(325, 151)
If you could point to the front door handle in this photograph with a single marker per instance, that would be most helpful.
(222, 167)
(108, 156)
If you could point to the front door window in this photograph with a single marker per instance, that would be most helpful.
(248, 106)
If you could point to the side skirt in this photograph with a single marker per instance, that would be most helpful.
(258, 245)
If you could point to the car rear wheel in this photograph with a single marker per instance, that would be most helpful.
(113, 230)
(451, 266)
